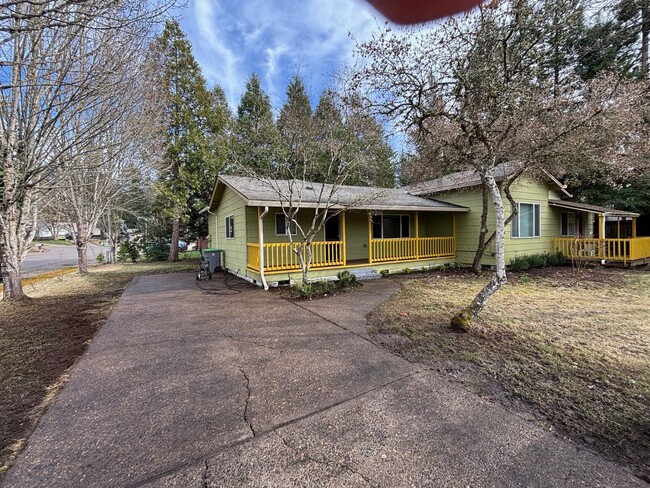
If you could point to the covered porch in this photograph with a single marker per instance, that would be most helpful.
(360, 238)
(596, 233)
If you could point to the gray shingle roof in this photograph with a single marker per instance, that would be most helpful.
(586, 207)
(257, 192)
(462, 179)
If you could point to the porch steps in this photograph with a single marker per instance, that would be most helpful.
(366, 274)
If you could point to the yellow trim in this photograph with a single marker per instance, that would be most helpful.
(453, 230)
(345, 242)
(369, 238)
(417, 234)
(633, 227)
(364, 265)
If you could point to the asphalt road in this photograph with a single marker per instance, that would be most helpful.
(56, 257)
(217, 384)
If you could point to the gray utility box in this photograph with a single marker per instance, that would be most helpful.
(215, 257)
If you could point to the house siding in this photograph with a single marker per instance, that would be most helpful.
(525, 190)
(234, 249)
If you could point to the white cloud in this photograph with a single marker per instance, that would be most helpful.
(233, 38)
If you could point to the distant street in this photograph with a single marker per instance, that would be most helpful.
(56, 257)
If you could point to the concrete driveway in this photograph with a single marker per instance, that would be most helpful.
(238, 387)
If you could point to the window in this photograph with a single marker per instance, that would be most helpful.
(230, 227)
(281, 225)
(390, 226)
(568, 224)
(526, 223)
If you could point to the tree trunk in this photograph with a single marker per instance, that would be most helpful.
(176, 231)
(82, 256)
(480, 250)
(11, 282)
(645, 33)
(465, 318)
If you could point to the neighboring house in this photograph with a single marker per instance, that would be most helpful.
(377, 229)
(545, 222)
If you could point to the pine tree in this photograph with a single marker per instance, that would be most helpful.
(194, 119)
(296, 129)
(255, 135)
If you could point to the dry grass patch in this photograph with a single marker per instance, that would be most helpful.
(578, 354)
(40, 338)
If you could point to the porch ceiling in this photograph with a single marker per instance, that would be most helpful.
(585, 207)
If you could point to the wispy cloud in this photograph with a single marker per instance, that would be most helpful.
(232, 39)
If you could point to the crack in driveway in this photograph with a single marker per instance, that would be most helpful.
(304, 454)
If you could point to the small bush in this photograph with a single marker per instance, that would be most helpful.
(316, 289)
(346, 279)
(156, 250)
(541, 260)
(304, 289)
(129, 250)
(100, 258)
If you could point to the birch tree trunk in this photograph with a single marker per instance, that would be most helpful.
(465, 318)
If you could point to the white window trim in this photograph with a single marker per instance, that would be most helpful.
(275, 224)
(519, 223)
(232, 216)
(381, 220)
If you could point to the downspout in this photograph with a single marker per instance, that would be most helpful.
(260, 227)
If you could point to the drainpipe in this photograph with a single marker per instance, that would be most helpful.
(260, 227)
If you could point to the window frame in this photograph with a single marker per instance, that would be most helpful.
(401, 226)
(536, 223)
(293, 223)
(575, 223)
(230, 227)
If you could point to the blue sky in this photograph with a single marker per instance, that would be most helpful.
(274, 38)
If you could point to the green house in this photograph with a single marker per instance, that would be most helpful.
(370, 229)
(435, 223)
(545, 222)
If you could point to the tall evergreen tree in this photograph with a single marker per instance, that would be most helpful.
(296, 128)
(255, 135)
(194, 119)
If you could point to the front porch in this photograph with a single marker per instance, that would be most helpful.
(629, 252)
(597, 233)
(351, 250)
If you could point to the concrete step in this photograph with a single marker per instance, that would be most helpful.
(365, 273)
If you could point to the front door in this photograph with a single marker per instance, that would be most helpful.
(333, 228)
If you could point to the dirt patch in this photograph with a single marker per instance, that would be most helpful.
(43, 336)
(577, 354)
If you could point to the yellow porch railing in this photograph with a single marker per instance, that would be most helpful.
(406, 248)
(610, 249)
(280, 256)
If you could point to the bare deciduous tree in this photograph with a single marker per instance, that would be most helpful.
(59, 60)
(476, 92)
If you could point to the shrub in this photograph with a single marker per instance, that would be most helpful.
(100, 258)
(346, 279)
(156, 250)
(304, 289)
(129, 250)
(541, 260)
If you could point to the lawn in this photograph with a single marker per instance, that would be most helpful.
(42, 337)
(575, 354)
